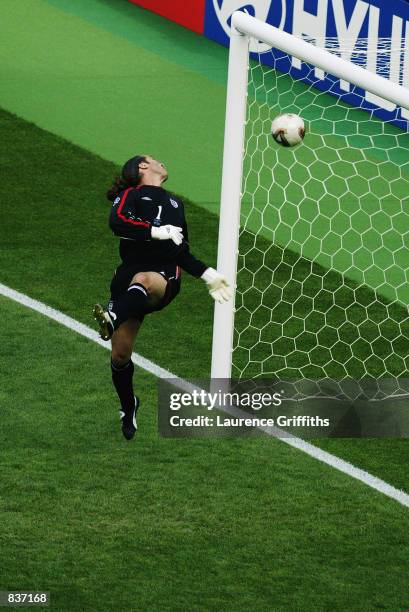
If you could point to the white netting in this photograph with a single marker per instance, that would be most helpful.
(323, 264)
(381, 55)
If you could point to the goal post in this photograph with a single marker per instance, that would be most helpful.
(229, 222)
(245, 27)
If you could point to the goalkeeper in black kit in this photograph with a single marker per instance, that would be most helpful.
(154, 248)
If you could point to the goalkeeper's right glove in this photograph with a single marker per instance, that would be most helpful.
(168, 232)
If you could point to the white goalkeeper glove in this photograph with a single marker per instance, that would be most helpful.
(217, 284)
(168, 232)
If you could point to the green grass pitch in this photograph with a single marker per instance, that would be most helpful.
(157, 524)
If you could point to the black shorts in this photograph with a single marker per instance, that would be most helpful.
(125, 272)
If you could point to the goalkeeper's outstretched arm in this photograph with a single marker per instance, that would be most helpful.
(217, 283)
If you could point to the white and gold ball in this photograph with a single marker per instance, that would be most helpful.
(288, 129)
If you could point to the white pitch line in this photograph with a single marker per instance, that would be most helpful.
(149, 366)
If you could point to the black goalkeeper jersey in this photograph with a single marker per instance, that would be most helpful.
(132, 216)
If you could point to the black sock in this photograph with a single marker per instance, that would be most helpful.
(122, 379)
(131, 304)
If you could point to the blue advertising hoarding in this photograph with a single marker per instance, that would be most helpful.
(384, 23)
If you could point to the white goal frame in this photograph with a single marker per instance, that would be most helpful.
(243, 28)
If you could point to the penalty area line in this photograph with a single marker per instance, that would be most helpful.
(313, 451)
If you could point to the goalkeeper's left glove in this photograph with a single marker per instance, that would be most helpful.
(217, 284)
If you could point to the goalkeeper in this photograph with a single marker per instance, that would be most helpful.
(154, 247)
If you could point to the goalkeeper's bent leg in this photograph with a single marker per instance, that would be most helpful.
(131, 304)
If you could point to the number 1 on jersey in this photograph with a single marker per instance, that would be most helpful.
(156, 221)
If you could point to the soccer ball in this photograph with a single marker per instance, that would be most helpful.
(288, 130)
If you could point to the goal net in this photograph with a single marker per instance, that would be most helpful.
(322, 276)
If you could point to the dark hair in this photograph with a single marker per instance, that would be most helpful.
(130, 177)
